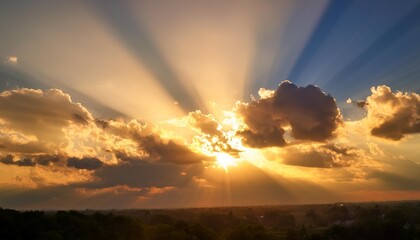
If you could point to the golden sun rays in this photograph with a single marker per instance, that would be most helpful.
(225, 160)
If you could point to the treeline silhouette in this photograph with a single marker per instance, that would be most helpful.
(326, 222)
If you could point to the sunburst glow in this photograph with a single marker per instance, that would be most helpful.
(225, 160)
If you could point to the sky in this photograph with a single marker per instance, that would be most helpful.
(177, 103)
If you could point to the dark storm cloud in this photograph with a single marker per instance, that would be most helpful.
(263, 128)
(26, 162)
(311, 114)
(123, 156)
(361, 104)
(266, 137)
(325, 156)
(140, 174)
(152, 146)
(84, 163)
(169, 151)
(79, 119)
(393, 115)
(87, 163)
(47, 160)
(9, 160)
(101, 123)
(30, 161)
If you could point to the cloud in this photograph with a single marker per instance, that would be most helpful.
(11, 60)
(320, 156)
(47, 141)
(88, 163)
(40, 115)
(211, 134)
(140, 174)
(36, 122)
(393, 115)
(126, 157)
(9, 160)
(150, 145)
(310, 113)
(84, 163)
(40, 108)
(30, 160)
(358, 103)
(16, 142)
(263, 137)
(205, 124)
(169, 151)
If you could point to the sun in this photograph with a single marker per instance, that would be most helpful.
(225, 160)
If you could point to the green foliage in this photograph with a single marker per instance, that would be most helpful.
(67, 225)
(250, 232)
(278, 220)
(385, 222)
(202, 232)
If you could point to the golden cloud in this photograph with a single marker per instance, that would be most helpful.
(393, 115)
